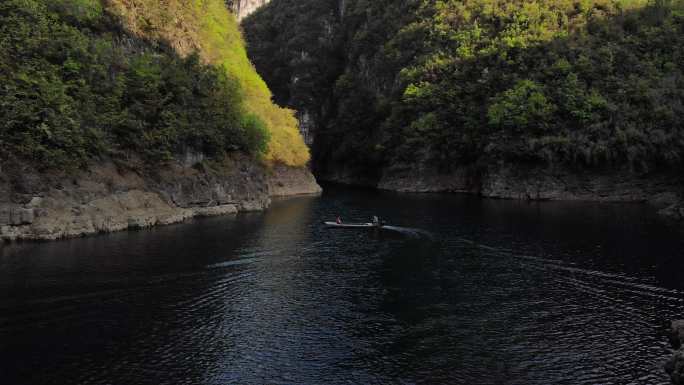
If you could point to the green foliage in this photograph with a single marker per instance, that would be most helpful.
(447, 83)
(207, 27)
(78, 11)
(257, 134)
(70, 93)
(522, 108)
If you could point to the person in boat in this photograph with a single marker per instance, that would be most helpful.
(376, 221)
(338, 220)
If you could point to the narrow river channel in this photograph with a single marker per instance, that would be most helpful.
(465, 291)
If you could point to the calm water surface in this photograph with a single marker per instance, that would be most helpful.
(485, 292)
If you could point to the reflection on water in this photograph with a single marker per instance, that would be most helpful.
(458, 291)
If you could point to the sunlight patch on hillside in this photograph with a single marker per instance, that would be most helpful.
(206, 26)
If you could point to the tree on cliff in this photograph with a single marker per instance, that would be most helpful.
(446, 83)
(83, 79)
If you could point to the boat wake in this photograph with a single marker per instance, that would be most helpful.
(410, 232)
(610, 287)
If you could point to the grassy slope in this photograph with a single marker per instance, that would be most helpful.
(208, 27)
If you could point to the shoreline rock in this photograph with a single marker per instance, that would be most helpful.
(289, 181)
(663, 192)
(542, 184)
(675, 366)
(107, 198)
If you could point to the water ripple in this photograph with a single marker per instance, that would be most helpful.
(275, 298)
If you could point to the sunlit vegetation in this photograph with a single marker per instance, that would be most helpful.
(446, 83)
(78, 82)
(206, 26)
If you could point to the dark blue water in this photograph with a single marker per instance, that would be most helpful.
(466, 291)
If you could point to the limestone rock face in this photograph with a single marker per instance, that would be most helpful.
(288, 181)
(675, 366)
(663, 192)
(244, 8)
(677, 333)
(107, 197)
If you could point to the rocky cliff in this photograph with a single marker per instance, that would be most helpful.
(663, 191)
(400, 95)
(244, 8)
(675, 366)
(112, 196)
(128, 114)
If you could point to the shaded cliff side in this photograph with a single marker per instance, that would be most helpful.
(576, 100)
(662, 191)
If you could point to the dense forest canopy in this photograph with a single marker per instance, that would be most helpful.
(446, 84)
(83, 79)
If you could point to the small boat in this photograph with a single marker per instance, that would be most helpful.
(352, 225)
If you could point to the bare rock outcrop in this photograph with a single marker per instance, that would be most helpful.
(288, 181)
(661, 191)
(675, 366)
(430, 181)
(109, 197)
(562, 184)
(244, 8)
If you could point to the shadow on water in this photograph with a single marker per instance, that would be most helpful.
(456, 290)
